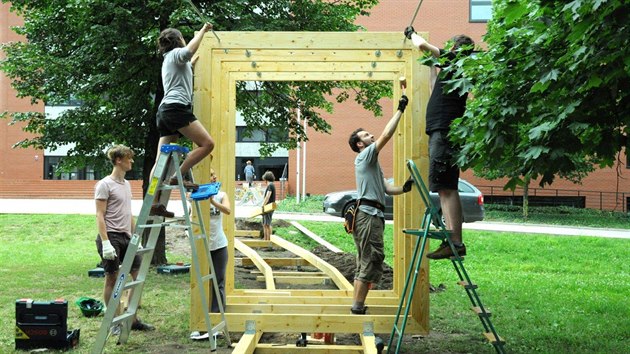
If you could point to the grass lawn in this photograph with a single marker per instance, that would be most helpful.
(547, 294)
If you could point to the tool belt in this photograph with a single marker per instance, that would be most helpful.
(372, 203)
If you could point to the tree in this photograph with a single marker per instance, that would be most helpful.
(551, 94)
(103, 53)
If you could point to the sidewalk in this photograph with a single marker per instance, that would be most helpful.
(87, 207)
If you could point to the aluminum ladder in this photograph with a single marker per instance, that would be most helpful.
(167, 165)
(432, 215)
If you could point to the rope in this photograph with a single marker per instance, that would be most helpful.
(412, 20)
(203, 17)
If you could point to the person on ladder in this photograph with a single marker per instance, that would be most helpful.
(442, 109)
(369, 223)
(115, 222)
(175, 117)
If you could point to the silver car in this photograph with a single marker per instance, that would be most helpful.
(336, 203)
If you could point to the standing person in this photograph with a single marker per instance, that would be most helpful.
(175, 117)
(442, 109)
(219, 205)
(369, 218)
(115, 222)
(249, 173)
(270, 197)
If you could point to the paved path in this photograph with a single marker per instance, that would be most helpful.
(87, 206)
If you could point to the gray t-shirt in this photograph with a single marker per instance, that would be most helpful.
(369, 177)
(118, 197)
(177, 76)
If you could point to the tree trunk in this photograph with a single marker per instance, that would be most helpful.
(526, 198)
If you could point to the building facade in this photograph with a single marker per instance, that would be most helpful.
(325, 161)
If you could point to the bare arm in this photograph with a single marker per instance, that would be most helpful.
(225, 207)
(194, 43)
(101, 207)
(267, 197)
(389, 131)
(425, 46)
(391, 126)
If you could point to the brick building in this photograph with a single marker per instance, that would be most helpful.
(328, 158)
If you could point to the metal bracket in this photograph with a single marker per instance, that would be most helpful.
(368, 328)
(250, 326)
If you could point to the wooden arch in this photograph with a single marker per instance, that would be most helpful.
(313, 56)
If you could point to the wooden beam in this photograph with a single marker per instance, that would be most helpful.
(317, 239)
(296, 273)
(369, 343)
(258, 243)
(258, 261)
(330, 41)
(274, 261)
(298, 279)
(307, 323)
(339, 309)
(319, 263)
(246, 233)
(247, 343)
(265, 209)
(311, 348)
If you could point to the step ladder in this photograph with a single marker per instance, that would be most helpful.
(432, 216)
(167, 165)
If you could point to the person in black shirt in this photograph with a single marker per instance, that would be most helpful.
(442, 109)
(270, 197)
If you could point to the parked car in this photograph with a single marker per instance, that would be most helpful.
(336, 203)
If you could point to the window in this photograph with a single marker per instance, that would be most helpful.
(480, 10)
(273, 135)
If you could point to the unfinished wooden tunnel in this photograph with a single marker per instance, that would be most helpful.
(312, 56)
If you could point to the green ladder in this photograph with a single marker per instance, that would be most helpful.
(432, 215)
(167, 164)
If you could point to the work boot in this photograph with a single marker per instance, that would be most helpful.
(160, 210)
(360, 311)
(444, 251)
(187, 184)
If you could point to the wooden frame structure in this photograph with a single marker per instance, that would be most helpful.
(312, 56)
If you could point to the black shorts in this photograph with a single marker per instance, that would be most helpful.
(443, 173)
(173, 116)
(120, 242)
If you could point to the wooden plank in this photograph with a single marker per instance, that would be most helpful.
(247, 343)
(259, 297)
(257, 243)
(308, 67)
(307, 40)
(265, 209)
(301, 55)
(247, 233)
(339, 309)
(374, 295)
(317, 76)
(318, 239)
(369, 343)
(311, 348)
(278, 273)
(307, 323)
(258, 261)
(275, 261)
(298, 279)
(319, 263)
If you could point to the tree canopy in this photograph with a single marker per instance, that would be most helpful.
(551, 94)
(103, 53)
